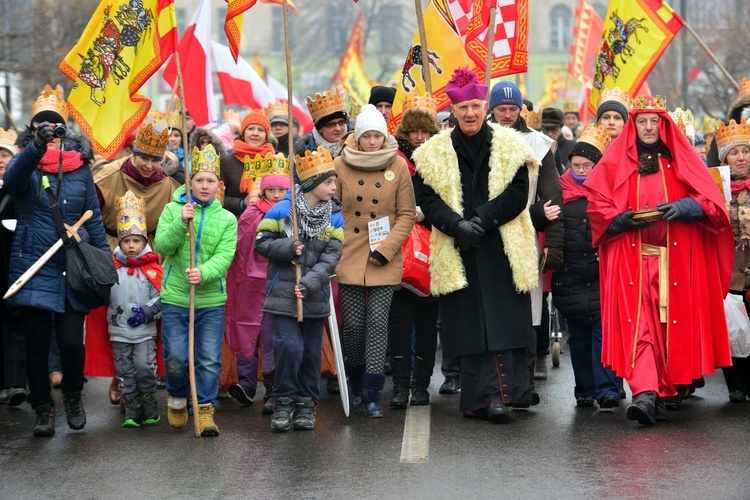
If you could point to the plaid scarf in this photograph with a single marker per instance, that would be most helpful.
(311, 221)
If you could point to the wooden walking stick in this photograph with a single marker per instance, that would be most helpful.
(292, 166)
(423, 43)
(191, 235)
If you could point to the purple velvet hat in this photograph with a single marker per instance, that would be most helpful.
(464, 85)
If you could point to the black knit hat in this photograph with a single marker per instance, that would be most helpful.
(329, 118)
(612, 106)
(586, 150)
(380, 93)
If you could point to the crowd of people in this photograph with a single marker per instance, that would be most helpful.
(624, 221)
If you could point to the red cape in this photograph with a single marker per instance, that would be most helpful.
(700, 256)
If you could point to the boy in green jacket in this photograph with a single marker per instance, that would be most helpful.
(215, 242)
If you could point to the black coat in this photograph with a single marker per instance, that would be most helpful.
(575, 286)
(489, 313)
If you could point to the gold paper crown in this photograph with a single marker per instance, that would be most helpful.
(277, 108)
(533, 119)
(331, 101)
(175, 119)
(204, 161)
(231, 115)
(744, 87)
(51, 100)
(155, 116)
(734, 133)
(314, 163)
(570, 106)
(151, 143)
(684, 120)
(648, 103)
(614, 94)
(597, 136)
(131, 216)
(8, 140)
(270, 164)
(420, 101)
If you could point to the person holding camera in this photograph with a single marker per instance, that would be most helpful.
(52, 167)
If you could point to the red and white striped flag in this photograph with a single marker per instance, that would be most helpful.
(239, 82)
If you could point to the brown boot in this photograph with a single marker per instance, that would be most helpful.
(114, 391)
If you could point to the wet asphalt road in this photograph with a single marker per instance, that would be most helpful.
(554, 450)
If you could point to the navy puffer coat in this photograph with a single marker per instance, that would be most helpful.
(35, 230)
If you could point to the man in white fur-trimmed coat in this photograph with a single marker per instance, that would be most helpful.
(473, 189)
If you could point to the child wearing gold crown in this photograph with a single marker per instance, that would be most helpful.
(297, 346)
(134, 307)
(246, 327)
(215, 232)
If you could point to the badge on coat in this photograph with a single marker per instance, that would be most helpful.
(389, 175)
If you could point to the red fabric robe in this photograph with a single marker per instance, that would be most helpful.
(699, 256)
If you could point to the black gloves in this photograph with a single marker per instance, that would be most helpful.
(624, 222)
(686, 209)
(553, 259)
(44, 135)
(468, 233)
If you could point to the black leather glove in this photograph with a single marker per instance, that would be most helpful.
(553, 259)
(44, 135)
(624, 222)
(685, 209)
(468, 233)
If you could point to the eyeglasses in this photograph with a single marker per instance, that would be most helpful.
(336, 123)
(582, 167)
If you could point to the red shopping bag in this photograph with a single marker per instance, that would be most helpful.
(416, 250)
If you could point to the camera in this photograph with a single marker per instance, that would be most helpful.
(59, 130)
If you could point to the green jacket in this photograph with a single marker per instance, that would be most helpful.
(215, 243)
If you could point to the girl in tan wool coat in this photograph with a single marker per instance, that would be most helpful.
(373, 183)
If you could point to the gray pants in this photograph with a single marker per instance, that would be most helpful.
(135, 365)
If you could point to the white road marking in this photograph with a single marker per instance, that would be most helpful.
(415, 448)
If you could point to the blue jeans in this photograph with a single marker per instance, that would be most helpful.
(297, 349)
(592, 379)
(209, 335)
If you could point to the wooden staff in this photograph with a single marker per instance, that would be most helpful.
(191, 235)
(490, 51)
(7, 113)
(290, 100)
(711, 55)
(423, 43)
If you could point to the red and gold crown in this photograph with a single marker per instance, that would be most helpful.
(420, 101)
(329, 102)
(270, 164)
(597, 136)
(648, 103)
(150, 142)
(206, 160)
(8, 140)
(614, 94)
(155, 116)
(734, 133)
(533, 118)
(313, 163)
(277, 108)
(683, 118)
(52, 100)
(131, 216)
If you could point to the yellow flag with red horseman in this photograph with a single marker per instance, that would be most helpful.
(635, 34)
(125, 42)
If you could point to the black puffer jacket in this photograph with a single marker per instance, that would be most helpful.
(318, 262)
(575, 286)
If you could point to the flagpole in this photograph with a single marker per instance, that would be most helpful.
(191, 235)
(423, 42)
(490, 51)
(711, 55)
(7, 113)
(290, 100)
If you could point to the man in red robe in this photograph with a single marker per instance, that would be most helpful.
(663, 281)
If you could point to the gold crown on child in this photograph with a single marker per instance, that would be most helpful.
(205, 161)
(313, 163)
(131, 216)
(270, 164)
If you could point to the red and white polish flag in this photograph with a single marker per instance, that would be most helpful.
(239, 82)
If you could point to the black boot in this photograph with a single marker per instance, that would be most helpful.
(643, 408)
(400, 369)
(268, 400)
(304, 415)
(74, 411)
(420, 383)
(372, 384)
(283, 413)
(44, 426)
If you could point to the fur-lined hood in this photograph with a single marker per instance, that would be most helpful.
(71, 142)
(199, 132)
(416, 119)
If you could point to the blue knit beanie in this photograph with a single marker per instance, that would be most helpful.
(505, 93)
